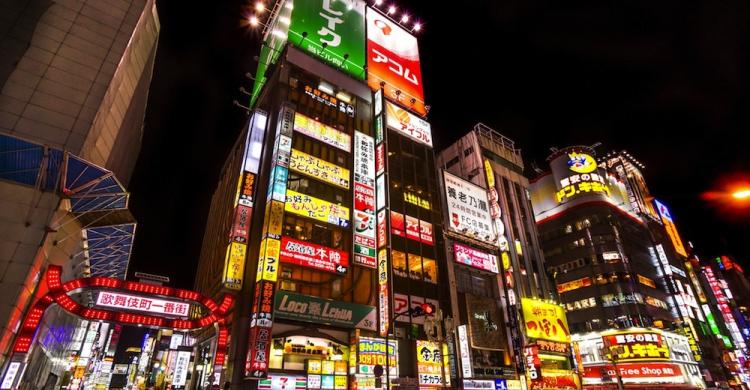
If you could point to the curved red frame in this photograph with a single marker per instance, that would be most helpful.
(59, 293)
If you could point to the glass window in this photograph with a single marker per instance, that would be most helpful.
(306, 230)
(399, 263)
(415, 266)
(430, 270)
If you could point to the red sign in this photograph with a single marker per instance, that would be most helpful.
(393, 58)
(634, 370)
(312, 255)
(379, 159)
(412, 228)
(397, 224)
(241, 225)
(533, 366)
(246, 191)
(364, 198)
(382, 230)
(425, 232)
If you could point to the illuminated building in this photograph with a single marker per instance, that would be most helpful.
(74, 85)
(494, 255)
(326, 222)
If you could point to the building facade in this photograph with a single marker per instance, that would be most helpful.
(326, 222)
(499, 304)
(74, 80)
(616, 259)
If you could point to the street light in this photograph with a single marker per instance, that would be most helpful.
(742, 194)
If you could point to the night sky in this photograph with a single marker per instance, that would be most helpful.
(667, 81)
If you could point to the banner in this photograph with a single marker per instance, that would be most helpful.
(321, 132)
(468, 211)
(315, 256)
(318, 209)
(319, 169)
(393, 58)
(474, 258)
(408, 124)
(545, 321)
(298, 307)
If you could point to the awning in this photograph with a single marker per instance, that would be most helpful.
(92, 188)
(109, 249)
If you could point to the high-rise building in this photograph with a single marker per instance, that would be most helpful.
(507, 314)
(619, 266)
(326, 222)
(75, 79)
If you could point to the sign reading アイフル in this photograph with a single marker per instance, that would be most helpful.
(468, 210)
(393, 59)
(308, 308)
(408, 124)
(332, 30)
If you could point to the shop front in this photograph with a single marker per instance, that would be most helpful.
(640, 358)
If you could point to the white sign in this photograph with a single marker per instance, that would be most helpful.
(364, 159)
(313, 381)
(120, 369)
(10, 375)
(151, 305)
(408, 124)
(180, 369)
(611, 255)
(476, 384)
(464, 352)
(176, 340)
(468, 210)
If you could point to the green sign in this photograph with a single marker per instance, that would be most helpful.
(292, 306)
(332, 30)
(273, 43)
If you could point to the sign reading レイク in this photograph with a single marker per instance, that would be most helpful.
(474, 258)
(333, 31)
(136, 303)
(408, 124)
(468, 210)
(313, 255)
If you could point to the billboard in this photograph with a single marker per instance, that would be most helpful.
(312, 255)
(322, 170)
(432, 363)
(145, 304)
(393, 59)
(408, 124)
(321, 132)
(333, 31)
(666, 218)
(474, 258)
(545, 321)
(468, 211)
(293, 306)
(234, 265)
(637, 345)
(317, 209)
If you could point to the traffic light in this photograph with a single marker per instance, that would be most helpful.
(425, 309)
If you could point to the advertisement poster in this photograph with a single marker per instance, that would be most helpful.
(545, 321)
(318, 209)
(322, 170)
(314, 256)
(321, 132)
(474, 258)
(408, 124)
(468, 210)
(393, 58)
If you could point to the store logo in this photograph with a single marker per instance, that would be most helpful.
(581, 163)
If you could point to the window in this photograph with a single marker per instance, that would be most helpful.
(306, 230)
(415, 267)
(468, 151)
(429, 267)
(451, 162)
(399, 263)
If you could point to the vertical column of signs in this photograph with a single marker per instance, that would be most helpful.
(261, 320)
(234, 263)
(381, 196)
(364, 200)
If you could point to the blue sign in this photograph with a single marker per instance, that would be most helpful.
(501, 384)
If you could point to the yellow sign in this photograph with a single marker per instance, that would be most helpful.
(322, 132)
(275, 218)
(581, 163)
(327, 367)
(313, 366)
(545, 321)
(432, 363)
(234, 265)
(416, 200)
(489, 173)
(581, 187)
(312, 166)
(268, 261)
(647, 281)
(318, 209)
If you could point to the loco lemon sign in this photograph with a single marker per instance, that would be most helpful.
(545, 321)
(308, 308)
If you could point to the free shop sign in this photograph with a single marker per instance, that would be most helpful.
(292, 306)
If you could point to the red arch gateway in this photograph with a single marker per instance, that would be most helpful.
(59, 293)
